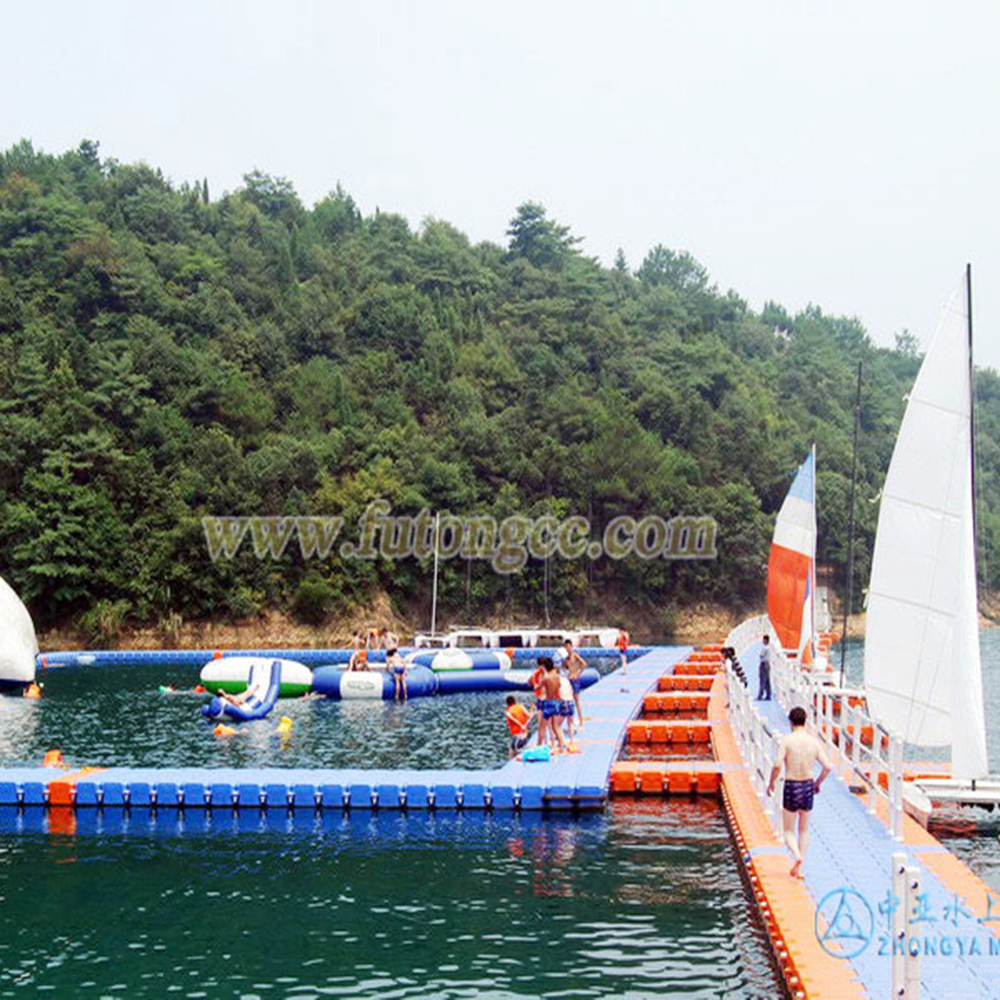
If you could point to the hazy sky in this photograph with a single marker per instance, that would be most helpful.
(840, 153)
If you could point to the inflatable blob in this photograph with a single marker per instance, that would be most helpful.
(230, 673)
(461, 659)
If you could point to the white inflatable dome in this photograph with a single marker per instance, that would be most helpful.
(18, 644)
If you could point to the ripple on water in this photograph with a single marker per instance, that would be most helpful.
(473, 906)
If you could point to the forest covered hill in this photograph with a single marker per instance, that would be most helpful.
(164, 357)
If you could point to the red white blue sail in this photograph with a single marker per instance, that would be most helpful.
(791, 568)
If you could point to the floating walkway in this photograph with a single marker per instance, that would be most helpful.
(569, 781)
(832, 932)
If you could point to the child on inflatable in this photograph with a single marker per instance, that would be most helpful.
(253, 691)
(359, 653)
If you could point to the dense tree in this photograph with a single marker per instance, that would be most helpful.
(164, 357)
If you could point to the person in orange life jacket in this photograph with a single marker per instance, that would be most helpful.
(518, 719)
(623, 641)
(359, 653)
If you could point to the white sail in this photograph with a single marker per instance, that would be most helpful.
(18, 645)
(922, 668)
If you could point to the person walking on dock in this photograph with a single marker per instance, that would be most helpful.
(623, 640)
(764, 671)
(798, 755)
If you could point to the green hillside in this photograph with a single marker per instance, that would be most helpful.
(164, 356)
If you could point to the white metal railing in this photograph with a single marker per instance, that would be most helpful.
(840, 726)
(758, 744)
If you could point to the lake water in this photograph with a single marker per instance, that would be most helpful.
(644, 900)
(103, 717)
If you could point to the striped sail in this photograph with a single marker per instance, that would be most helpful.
(923, 675)
(791, 565)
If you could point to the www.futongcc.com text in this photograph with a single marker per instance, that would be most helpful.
(506, 544)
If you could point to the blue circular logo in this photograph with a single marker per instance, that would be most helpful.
(844, 923)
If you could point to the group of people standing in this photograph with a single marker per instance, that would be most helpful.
(379, 639)
(556, 683)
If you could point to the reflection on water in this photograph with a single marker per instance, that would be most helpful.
(643, 901)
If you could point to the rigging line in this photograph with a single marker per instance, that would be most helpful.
(974, 443)
(849, 597)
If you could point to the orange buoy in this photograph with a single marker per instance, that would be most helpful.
(53, 758)
(33, 691)
(216, 655)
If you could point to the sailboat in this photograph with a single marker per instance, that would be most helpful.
(922, 669)
(791, 566)
(18, 644)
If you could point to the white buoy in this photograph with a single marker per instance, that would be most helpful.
(18, 643)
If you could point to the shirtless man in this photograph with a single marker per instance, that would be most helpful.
(575, 666)
(798, 754)
(396, 666)
(539, 690)
(550, 701)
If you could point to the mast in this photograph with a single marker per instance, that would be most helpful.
(434, 592)
(812, 565)
(850, 531)
(972, 427)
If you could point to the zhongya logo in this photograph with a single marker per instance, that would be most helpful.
(844, 923)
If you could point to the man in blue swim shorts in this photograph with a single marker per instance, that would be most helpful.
(397, 668)
(550, 703)
(798, 755)
(575, 665)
